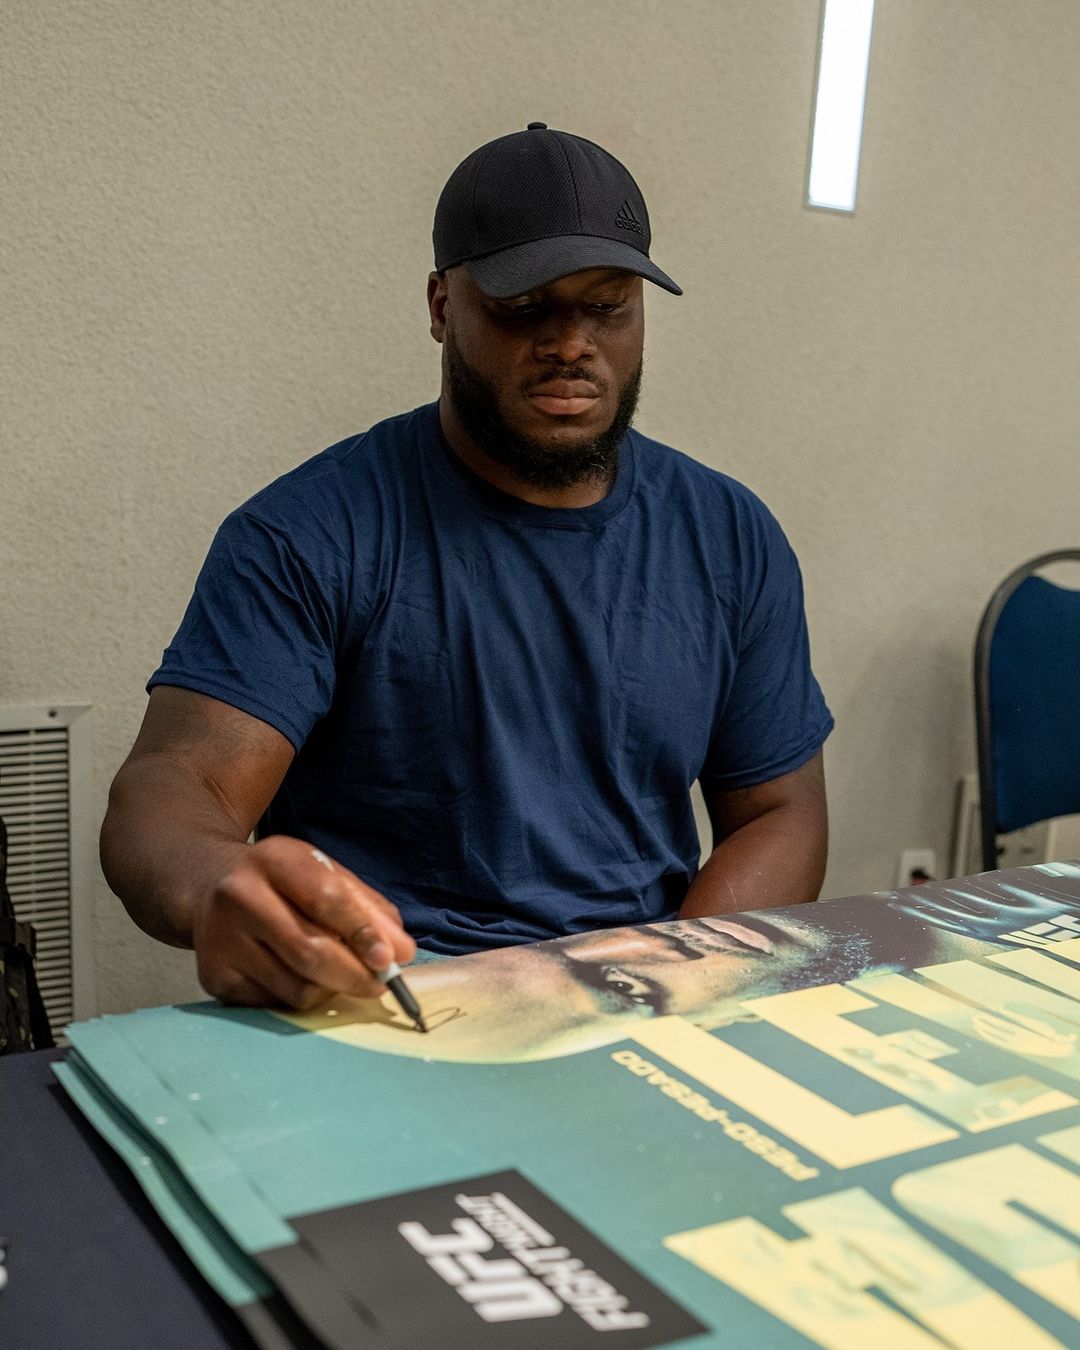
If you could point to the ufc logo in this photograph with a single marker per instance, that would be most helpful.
(500, 1290)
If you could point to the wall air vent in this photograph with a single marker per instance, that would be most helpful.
(44, 790)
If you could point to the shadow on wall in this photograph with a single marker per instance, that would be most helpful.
(910, 693)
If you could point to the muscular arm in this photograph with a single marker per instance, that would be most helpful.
(769, 845)
(183, 804)
(268, 921)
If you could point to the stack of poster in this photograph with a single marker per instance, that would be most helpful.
(845, 1124)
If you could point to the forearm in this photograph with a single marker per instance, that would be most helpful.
(166, 838)
(776, 859)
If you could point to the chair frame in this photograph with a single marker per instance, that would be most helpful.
(983, 727)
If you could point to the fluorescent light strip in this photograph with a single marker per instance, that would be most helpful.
(841, 97)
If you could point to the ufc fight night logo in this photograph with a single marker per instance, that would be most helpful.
(487, 1262)
(537, 1277)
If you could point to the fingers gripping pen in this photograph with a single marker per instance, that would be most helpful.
(391, 976)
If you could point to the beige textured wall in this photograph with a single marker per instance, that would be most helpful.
(214, 241)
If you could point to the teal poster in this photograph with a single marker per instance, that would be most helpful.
(844, 1124)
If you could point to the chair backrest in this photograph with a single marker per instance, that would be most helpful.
(1027, 702)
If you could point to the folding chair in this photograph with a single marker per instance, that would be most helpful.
(1027, 702)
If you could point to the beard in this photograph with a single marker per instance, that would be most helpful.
(541, 465)
(862, 942)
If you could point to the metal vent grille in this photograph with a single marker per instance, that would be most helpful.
(39, 791)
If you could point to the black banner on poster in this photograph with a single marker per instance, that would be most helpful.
(486, 1263)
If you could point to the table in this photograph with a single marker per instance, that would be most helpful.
(983, 968)
(90, 1265)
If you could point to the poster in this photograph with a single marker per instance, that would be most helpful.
(842, 1124)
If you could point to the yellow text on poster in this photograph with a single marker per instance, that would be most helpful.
(975, 1201)
(823, 1285)
(819, 1018)
(835, 1135)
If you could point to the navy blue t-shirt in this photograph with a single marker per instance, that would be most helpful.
(499, 708)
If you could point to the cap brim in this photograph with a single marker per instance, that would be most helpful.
(513, 271)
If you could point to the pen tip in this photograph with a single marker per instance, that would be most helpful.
(420, 1023)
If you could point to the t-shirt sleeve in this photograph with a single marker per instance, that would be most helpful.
(774, 718)
(261, 630)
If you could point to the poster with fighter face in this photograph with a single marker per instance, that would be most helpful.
(842, 1124)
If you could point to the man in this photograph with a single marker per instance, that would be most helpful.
(478, 655)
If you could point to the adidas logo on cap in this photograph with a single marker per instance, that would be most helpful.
(626, 219)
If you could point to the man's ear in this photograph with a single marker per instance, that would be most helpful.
(437, 294)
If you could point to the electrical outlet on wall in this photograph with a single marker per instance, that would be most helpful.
(916, 860)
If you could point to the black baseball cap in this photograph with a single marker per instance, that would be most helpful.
(536, 205)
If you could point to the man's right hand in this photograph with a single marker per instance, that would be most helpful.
(286, 925)
(270, 922)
